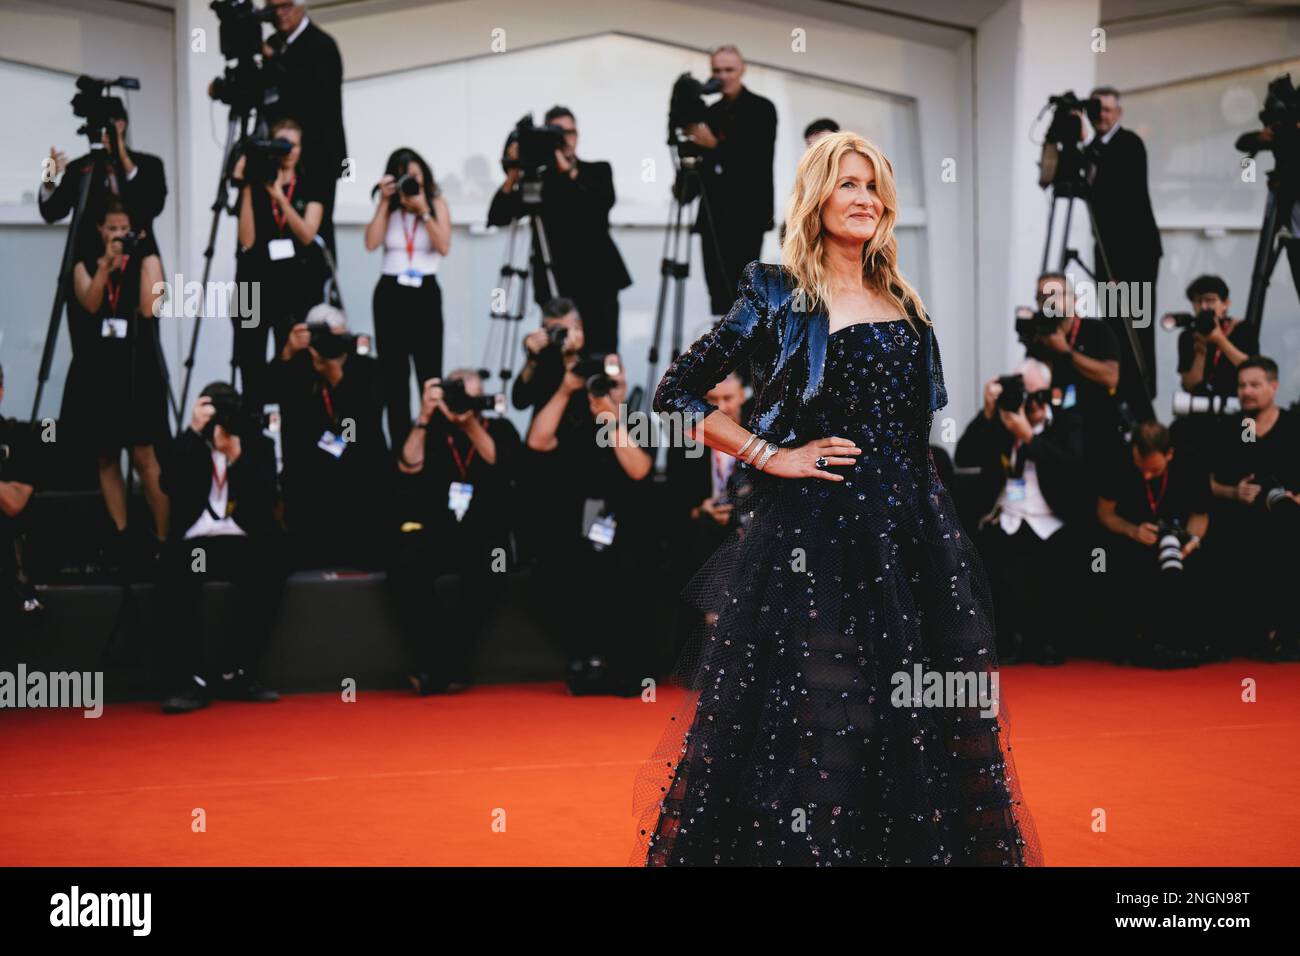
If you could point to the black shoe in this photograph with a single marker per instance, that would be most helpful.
(239, 686)
(192, 698)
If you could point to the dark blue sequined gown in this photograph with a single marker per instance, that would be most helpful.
(788, 748)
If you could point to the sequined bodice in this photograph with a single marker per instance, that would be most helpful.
(873, 387)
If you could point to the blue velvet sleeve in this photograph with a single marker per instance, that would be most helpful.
(717, 352)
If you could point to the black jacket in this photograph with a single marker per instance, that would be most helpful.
(187, 480)
(575, 214)
(306, 83)
(144, 195)
(737, 175)
(1057, 454)
(1122, 204)
(786, 351)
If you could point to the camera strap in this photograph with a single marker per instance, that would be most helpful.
(113, 290)
(277, 214)
(1153, 500)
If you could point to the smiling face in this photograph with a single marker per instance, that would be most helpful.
(854, 208)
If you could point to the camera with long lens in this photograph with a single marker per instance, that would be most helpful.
(1273, 492)
(1202, 322)
(329, 344)
(262, 158)
(556, 336)
(458, 400)
(600, 373)
(1170, 538)
(243, 83)
(1013, 395)
(93, 104)
(229, 411)
(1185, 403)
(1062, 159)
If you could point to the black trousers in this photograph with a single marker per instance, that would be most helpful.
(1252, 554)
(254, 566)
(599, 311)
(285, 299)
(1032, 580)
(1163, 606)
(738, 248)
(408, 329)
(1131, 383)
(441, 621)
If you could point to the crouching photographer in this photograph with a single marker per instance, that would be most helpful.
(335, 458)
(1030, 458)
(455, 469)
(1156, 508)
(1255, 479)
(220, 476)
(17, 482)
(589, 493)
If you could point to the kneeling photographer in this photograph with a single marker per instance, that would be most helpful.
(335, 458)
(18, 468)
(280, 211)
(452, 512)
(1030, 457)
(1084, 358)
(589, 487)
(220, 476)
(1255, 479)
(1156, 508)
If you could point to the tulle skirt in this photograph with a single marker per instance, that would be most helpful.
(811, 731)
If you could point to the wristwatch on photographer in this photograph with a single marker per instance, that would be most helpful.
(425, 217)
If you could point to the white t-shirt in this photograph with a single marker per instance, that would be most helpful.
(423, 259)
(218, 495)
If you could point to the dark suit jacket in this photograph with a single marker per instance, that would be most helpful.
(1057, 454)
(308, 78)
(741, 193)
(144, 195)
(1122, 205)
(575, 214)
(187, 480)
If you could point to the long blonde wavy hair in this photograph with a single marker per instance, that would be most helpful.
(802, 250)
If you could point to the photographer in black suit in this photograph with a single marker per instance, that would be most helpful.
(576, 199)
(220, 476)
(1127, 226)
(1030, 458)
(142, 188)
(305, 77)
(739, 142)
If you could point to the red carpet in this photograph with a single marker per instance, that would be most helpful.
(1186, 773)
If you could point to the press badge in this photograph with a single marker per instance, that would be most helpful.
(332, 443)
(278, 249)
(1015, 489)
(459, 495)
(601, 532)
(113, 328)
(1070, 397)
(411, 279)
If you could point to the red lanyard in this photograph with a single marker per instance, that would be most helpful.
(280, 216)
(1218, 352)
(1074, 332)
(329, 405)
(1152, 500)
(114, 290)
(461, 466)
(410, 237)
(219, 478)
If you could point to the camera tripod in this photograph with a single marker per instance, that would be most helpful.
(675, 264)
(1274, 236)
(515, 279)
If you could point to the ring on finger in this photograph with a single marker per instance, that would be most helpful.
(821, 463)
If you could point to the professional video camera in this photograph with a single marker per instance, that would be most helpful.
(600, 372)
(457, 401)
(1202, 322)
(537, 146)
(1279, 116)
(1185, 403)
(93, 104)
(262, 159)
(1062, 160)
(242, 85)
(686, 106)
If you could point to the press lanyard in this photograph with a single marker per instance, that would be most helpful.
(281, 216)
(329, 404)
(1153, 501)
(219, 477)
(461, 466)
(410, 237)
(1218, 352)
(1074, 332)
(113, 292)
